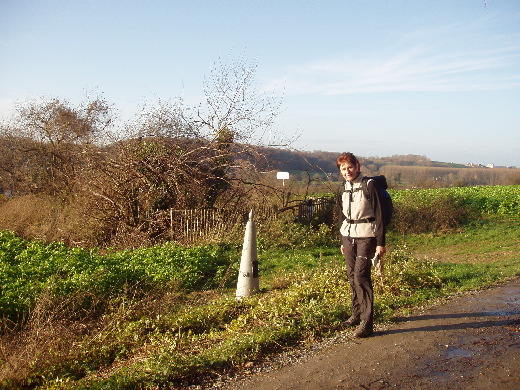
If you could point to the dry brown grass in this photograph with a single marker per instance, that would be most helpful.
(42, 217)
(61, 331)
(49, 219)
(45, 339)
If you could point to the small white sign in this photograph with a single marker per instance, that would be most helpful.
(282, 175)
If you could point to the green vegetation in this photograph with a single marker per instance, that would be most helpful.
(501, 200)
(164, 316)
(31, 267)
(427, 210)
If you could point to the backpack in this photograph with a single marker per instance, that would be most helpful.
(387, 206)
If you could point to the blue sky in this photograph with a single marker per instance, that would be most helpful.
(378, 78)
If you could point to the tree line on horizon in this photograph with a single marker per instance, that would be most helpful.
(402, 171)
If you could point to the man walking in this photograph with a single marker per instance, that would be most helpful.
(362, 238)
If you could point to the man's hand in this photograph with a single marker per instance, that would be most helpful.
(380, 250)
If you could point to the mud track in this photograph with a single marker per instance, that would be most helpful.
(471, 341)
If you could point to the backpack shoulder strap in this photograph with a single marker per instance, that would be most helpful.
(364, 184)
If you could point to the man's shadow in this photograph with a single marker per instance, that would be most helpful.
(508, 321)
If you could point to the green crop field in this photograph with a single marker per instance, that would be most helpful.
(501, 200)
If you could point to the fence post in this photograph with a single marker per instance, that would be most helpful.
(171, 223)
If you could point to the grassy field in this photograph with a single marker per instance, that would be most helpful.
(167, 316)
(487, 240)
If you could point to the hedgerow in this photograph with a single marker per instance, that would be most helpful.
(426, 210)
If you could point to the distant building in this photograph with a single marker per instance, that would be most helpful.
(472, 165)
(490, 165)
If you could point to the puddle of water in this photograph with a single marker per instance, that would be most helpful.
(458, 352)
(503, 313)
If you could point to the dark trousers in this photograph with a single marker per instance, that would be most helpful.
(358, 256)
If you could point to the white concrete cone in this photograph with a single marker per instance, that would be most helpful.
(248, 283)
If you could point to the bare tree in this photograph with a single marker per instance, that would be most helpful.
(236, 104)
(178, 157)
(49, 141)
(236, 117)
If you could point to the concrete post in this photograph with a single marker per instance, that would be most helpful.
(248, 283)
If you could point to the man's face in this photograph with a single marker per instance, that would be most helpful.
(348, 171)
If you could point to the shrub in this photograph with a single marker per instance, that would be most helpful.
(422, 211)
(284, 232)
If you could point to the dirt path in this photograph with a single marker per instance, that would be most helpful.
(470, 342)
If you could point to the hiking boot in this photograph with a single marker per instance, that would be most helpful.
(364, 329)
(352, 321)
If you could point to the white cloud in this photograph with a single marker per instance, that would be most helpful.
(414, 69)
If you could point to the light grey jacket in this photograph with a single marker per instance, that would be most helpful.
(360, 217)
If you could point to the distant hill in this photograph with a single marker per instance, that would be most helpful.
(320, 161)
(447, 165)
(402, 171)
(292, 160)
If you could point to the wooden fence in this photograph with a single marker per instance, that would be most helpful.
(316, 211)
(213, 225)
